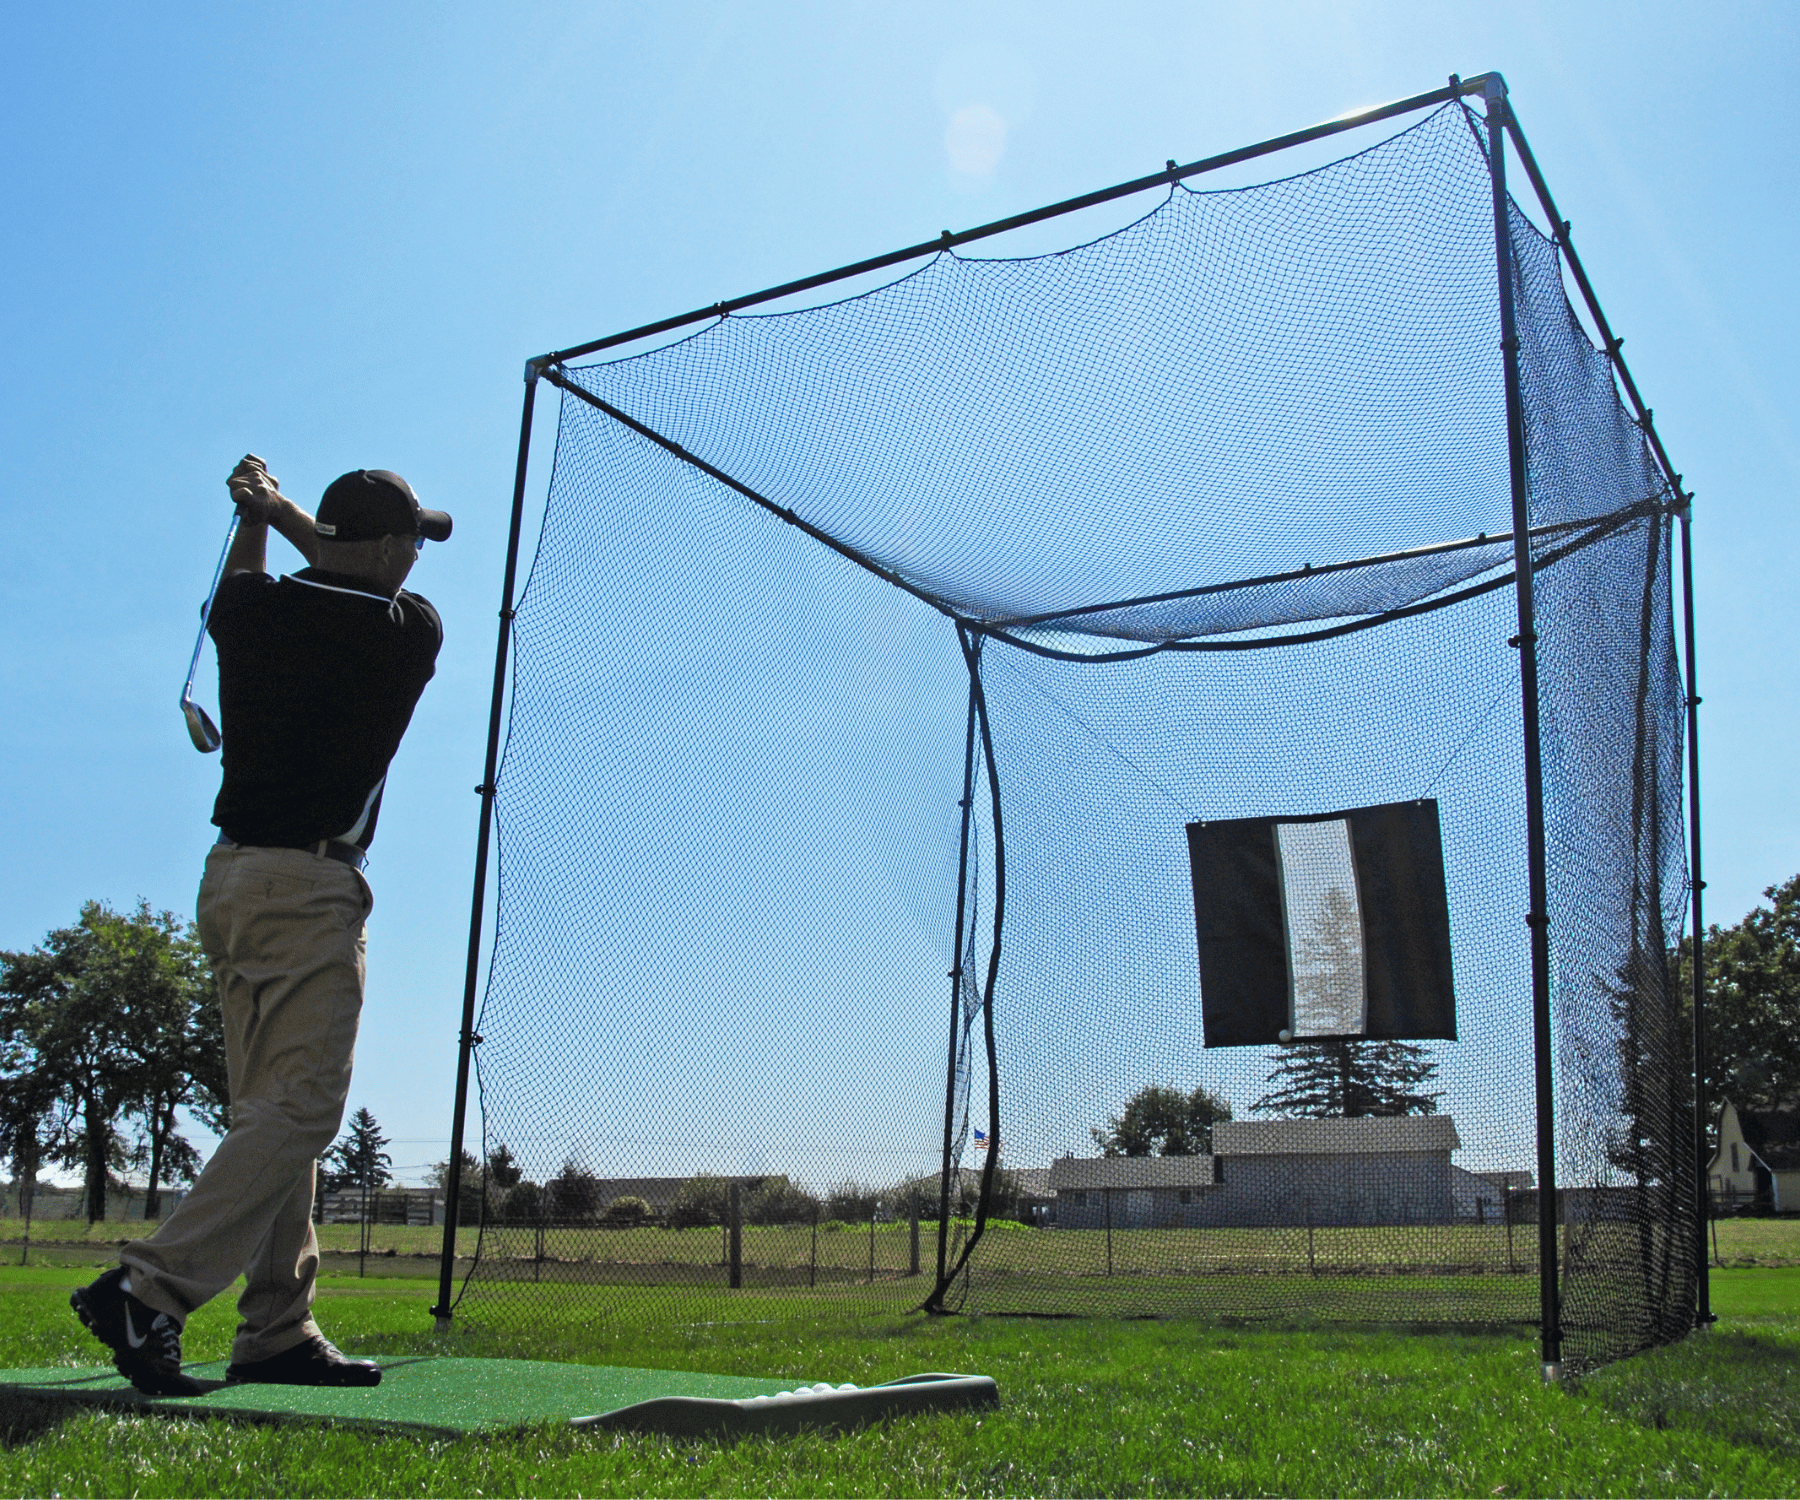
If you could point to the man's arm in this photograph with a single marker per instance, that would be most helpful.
(262, 505)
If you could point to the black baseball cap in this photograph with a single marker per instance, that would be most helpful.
(369, 503)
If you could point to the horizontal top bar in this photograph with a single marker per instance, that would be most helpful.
(1295, 575)
(947, 240)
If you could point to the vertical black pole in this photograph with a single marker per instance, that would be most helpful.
(913, 1258)
(1703, 1314)
(956, 991)
(736, 1232)
(1106, 1195)
(466, 1037)
(1538, 917)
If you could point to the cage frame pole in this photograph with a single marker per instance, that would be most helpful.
(935, 1302)
(1538, 916)
(1703, 1313)
(466, 1037)
(1646, 420)
(1562, 233)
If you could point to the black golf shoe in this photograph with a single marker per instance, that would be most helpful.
(146, 1344)
(315, 1361)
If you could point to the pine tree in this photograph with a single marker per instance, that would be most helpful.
(1336, 1078)
(1328, 964)
(504, 1169)
(357, 1159)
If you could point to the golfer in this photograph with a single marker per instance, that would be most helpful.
(318, 676)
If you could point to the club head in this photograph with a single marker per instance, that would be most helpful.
(201, 729)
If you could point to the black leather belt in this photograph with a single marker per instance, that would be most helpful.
(344, 854)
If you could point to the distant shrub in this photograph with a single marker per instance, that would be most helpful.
(701, 1201)
(626, 1210)
(778, 1201)
(853, 1202)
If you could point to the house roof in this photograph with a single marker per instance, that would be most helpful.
(1131, 1172)
(656, 1191)
(1365, 1135)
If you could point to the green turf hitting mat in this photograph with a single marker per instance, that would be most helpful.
(457, 1396)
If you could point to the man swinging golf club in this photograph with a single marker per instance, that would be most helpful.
(318, 676)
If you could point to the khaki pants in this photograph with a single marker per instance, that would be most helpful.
(283, 929)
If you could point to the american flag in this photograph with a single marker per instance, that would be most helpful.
(981, 1140)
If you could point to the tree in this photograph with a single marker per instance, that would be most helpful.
(503, 1169)
(777, 1200)
(109, 1019)
(852, 1202)
(524, 1204)
(356, 1159)
(1161, 1121)
(1651, 1137)
(573, 1195)
(472, 1204)
(1752, 997)
(1351, 1077)
(34, 1122)
(702, 1200)
(182, 1034)
(1328, 963)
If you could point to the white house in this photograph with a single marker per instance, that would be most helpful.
(1757, 1161)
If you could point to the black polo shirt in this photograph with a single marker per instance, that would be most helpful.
(318, 677)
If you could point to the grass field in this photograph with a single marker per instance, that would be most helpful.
(688, 1255)
(1089, 1407)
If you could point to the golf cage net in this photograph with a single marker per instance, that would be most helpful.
(844, 899)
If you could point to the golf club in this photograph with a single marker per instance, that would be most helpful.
(201, 729)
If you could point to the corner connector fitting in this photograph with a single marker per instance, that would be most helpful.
(535, 368)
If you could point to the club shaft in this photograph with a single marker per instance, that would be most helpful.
(187, 690)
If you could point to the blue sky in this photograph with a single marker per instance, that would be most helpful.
(333, 234)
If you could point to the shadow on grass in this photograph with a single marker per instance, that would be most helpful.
(1740, 1386)
(25, 1419)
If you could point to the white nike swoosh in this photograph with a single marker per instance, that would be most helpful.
(132, 1336)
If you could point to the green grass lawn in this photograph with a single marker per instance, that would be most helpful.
(784, 1255)
(1088, 1407)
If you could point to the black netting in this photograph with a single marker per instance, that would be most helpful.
(1208, 519)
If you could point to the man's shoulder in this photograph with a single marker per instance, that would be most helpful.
(236, 590)
(426, 611)
(243, 584)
